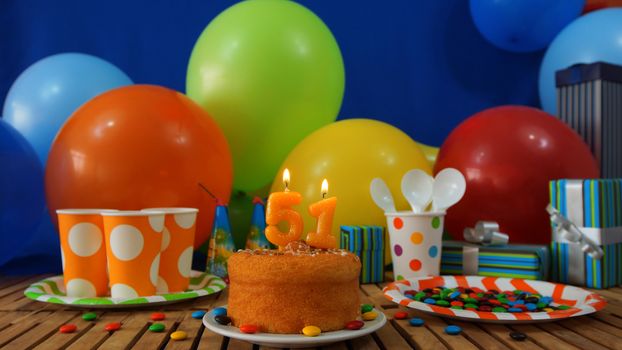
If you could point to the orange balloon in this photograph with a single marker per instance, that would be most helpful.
(137, 147)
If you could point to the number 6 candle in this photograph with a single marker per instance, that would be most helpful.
(323, 211)
(279, 209)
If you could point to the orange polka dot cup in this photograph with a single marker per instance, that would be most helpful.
(133, 244)
(415, 242)
(176, 251)
(83, 251)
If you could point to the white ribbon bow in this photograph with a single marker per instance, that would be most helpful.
(571, 232)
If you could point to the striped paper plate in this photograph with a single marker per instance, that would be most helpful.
(52, 290)
(581, 301)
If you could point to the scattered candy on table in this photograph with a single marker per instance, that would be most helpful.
(369, 316)
(366, 308)
(179, 335)
(355, 325)
(198, 314)
(311, 331)
(519, 336)
(416, 322)
(219, 311)
(157, 316)
(112, 326)
(476, 299)
(222, 319)
(68, 328)
(248, 328)
(453, 330)
(401, 315)
(157, 327)
(89, 316)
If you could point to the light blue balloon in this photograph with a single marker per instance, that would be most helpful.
(594, 37)
(48, 92)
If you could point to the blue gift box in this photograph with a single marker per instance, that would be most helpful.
(367, 242)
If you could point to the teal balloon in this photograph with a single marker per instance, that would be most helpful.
(46, 94)
(269, 72)
(594, 37)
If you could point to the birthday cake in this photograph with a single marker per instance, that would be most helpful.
(283, 291)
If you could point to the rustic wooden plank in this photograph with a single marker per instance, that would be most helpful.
(153, 340)
(44, 329)
(133, 328)
(17, 329)
(364, 343)
(502, 333)
(422, 336)
(610, 294)
(482, 337)
(7, 281)
(21, 285)
(598, 332)
(336, 346)
(614, 309)
(96, 334)
(210, 340)
(608, 318)
(542, 338)
(570, 336)
(193, 327)
(235, 344)
(214, 299)
(59, 340)
(374, 293)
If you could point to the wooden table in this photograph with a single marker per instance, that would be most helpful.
(26, 324)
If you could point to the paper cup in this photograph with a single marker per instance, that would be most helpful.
(83, 252)
(177, 248)
(133, 242)
(415, 240)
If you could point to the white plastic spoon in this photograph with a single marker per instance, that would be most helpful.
(449, 187)
(381, 195)
(417, 188)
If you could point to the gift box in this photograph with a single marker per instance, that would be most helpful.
(509, 260)
(588, 98)
(587, 250)
(367, 242)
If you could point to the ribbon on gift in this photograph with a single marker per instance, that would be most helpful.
(567, 231)
(485, 233)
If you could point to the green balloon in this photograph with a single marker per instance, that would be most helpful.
(269, 72)
(240, 214)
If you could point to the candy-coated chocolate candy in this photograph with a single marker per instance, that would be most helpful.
(311, 331)
(453, 330)
(219, 311)
(547, 309)
(456, 307)
(89, 316)
(157, 327)
(485, 308)
(518, 336)
(112, 326)
(354, 325)
(198, 314)
(470, 306)
(179, 335)
(368, 316)
(454, 295)
(367, 308)
(157, 316)
(515, 309)
(541, 305)
(400, 315)
(563, 307)
(457, 303)
(498, 309)
(416, 322)
(442, 303)
(531, 307)
(429, 301)
(68, 328)
(248, 328)
(222, 319)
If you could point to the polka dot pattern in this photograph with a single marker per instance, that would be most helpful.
(415, 264)
(433, 251)
(436, 222)
(85, 239)
(156, 222)
(184, 263)
(162, 286)
(153, 271)
(416, 237)
(185, 220)
(126, 242)
(120, 290)
(398, 250)
(398, 223)
(166, 239)
(80, 288)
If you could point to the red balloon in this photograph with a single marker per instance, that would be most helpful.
(137, 147)
(508, 155)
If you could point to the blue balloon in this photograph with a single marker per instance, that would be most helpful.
(523, 25)
(49, 91)
(594, 37)
(22, 197)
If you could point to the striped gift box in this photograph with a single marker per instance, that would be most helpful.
(595, 206)
(367, 242)
(513, 261)
(589, 100)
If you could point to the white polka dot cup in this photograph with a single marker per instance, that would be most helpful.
(133, 244)
(177, 248)
(415, 240)
(83, 251)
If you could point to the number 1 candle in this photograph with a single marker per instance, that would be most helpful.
(279, 209)
(324, 211)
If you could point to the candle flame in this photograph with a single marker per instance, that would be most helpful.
(286, 178)
(324, 188)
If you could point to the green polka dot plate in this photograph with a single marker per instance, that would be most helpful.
(52, 290)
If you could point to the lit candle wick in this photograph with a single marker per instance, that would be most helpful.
(286, 179)
(324, 188)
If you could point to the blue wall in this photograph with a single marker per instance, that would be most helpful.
(419, 65)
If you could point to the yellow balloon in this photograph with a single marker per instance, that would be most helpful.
(430, 152)
(349, 154)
